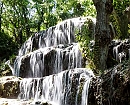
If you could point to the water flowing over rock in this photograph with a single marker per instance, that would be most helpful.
(49, 70)
(62, 33)
(53, 47)
(66, 88)
(119, 50)
(50, 63)
(48, 60)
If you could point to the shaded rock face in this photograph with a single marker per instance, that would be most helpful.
(113, 88)
(9, 87)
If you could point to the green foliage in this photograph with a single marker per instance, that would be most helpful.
(15, 19)
(120, 6)
(84, 39)
(7, 46)
(2, 65)
(74, 8)
(115, 23)
(120, 18)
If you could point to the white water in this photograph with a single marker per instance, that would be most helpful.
(62, 33)
(51, 52)
(39, 59)
(121, 55)
(54, 88)
(116, 51)
(10, 66)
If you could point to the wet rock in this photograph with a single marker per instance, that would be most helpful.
(9, 87)
(66, 88)
(47, 61)
(7, 101)
(41, 103)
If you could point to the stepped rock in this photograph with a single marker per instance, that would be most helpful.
(49, 63)
(62, 33)
(111, 88)
(48, 60)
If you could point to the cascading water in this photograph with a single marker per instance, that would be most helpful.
(121, 49)
(47, 61)
(57, 88)
(50, 63)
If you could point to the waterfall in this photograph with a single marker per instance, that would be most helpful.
(50, 63)
(56, 88)
(121, 55)
(55, 59)
(116, 51)
(121, 50)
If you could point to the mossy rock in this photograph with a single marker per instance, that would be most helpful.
(9, 87)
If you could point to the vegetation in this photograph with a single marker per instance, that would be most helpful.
(121, 18)
(7, 46)
(20, 19)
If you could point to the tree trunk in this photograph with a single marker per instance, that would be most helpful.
(102, 33)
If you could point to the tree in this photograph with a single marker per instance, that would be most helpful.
(16, 19)
(102, 33)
